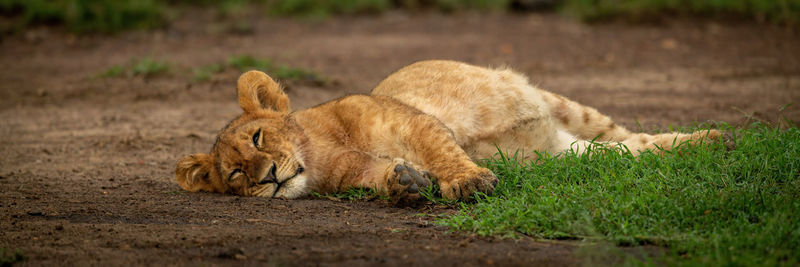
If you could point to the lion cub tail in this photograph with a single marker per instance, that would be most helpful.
(587, 123)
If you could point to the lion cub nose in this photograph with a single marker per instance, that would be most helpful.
(271, 177)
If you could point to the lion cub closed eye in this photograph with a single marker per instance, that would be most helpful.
(426, 122)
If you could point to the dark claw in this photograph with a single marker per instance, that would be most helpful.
(413, 189)
(405, 179)
(399, 168)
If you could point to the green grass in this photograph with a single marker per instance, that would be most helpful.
(351, 194)
(244, 63)
(317, 8)
(247, 62)
(323, 8)
(82, 16)
(706, 204)
(776, 11)
(110, 16)
(459, 5)
(149, 67)
(113, 71)
(146, 67)
(9, 259)
(204, 73)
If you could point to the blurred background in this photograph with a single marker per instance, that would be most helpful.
(636, 58)
(127, 71)
(113, 16)
(100, 98)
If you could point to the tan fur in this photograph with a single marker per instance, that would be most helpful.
(489, 109)
(429, 120)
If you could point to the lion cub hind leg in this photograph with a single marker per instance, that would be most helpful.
(464, 185)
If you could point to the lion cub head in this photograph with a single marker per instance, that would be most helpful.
(257, 153)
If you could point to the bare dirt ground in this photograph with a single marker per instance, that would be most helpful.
(86, 163)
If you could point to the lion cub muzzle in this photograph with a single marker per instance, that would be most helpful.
(287, 169)
(280, 177)
(271, 176)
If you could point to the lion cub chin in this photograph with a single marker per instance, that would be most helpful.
(423, 124)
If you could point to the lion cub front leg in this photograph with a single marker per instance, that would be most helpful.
(396, 178)
(433, 146)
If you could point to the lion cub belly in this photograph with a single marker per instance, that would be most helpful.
(486, 109)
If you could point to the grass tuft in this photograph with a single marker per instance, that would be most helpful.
(204, 73)
(707, 205)
(317, 8)
(113, 71)
(146, 67)
(109, 16)
(776, 11)
(244, 63)
(83, 16)
(149, 67)
(351, 194)
(247, 62)
(9, 259)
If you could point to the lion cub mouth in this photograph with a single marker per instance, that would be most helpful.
(280, 182)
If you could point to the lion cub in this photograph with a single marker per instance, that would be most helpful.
(427, 121)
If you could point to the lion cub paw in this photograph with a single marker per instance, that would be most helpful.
(482, 180)
(710, 136)
(405, 180)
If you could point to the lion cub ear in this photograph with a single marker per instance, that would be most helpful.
(195, 172)
(258, 91)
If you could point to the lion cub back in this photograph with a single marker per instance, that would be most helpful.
(475, 103)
